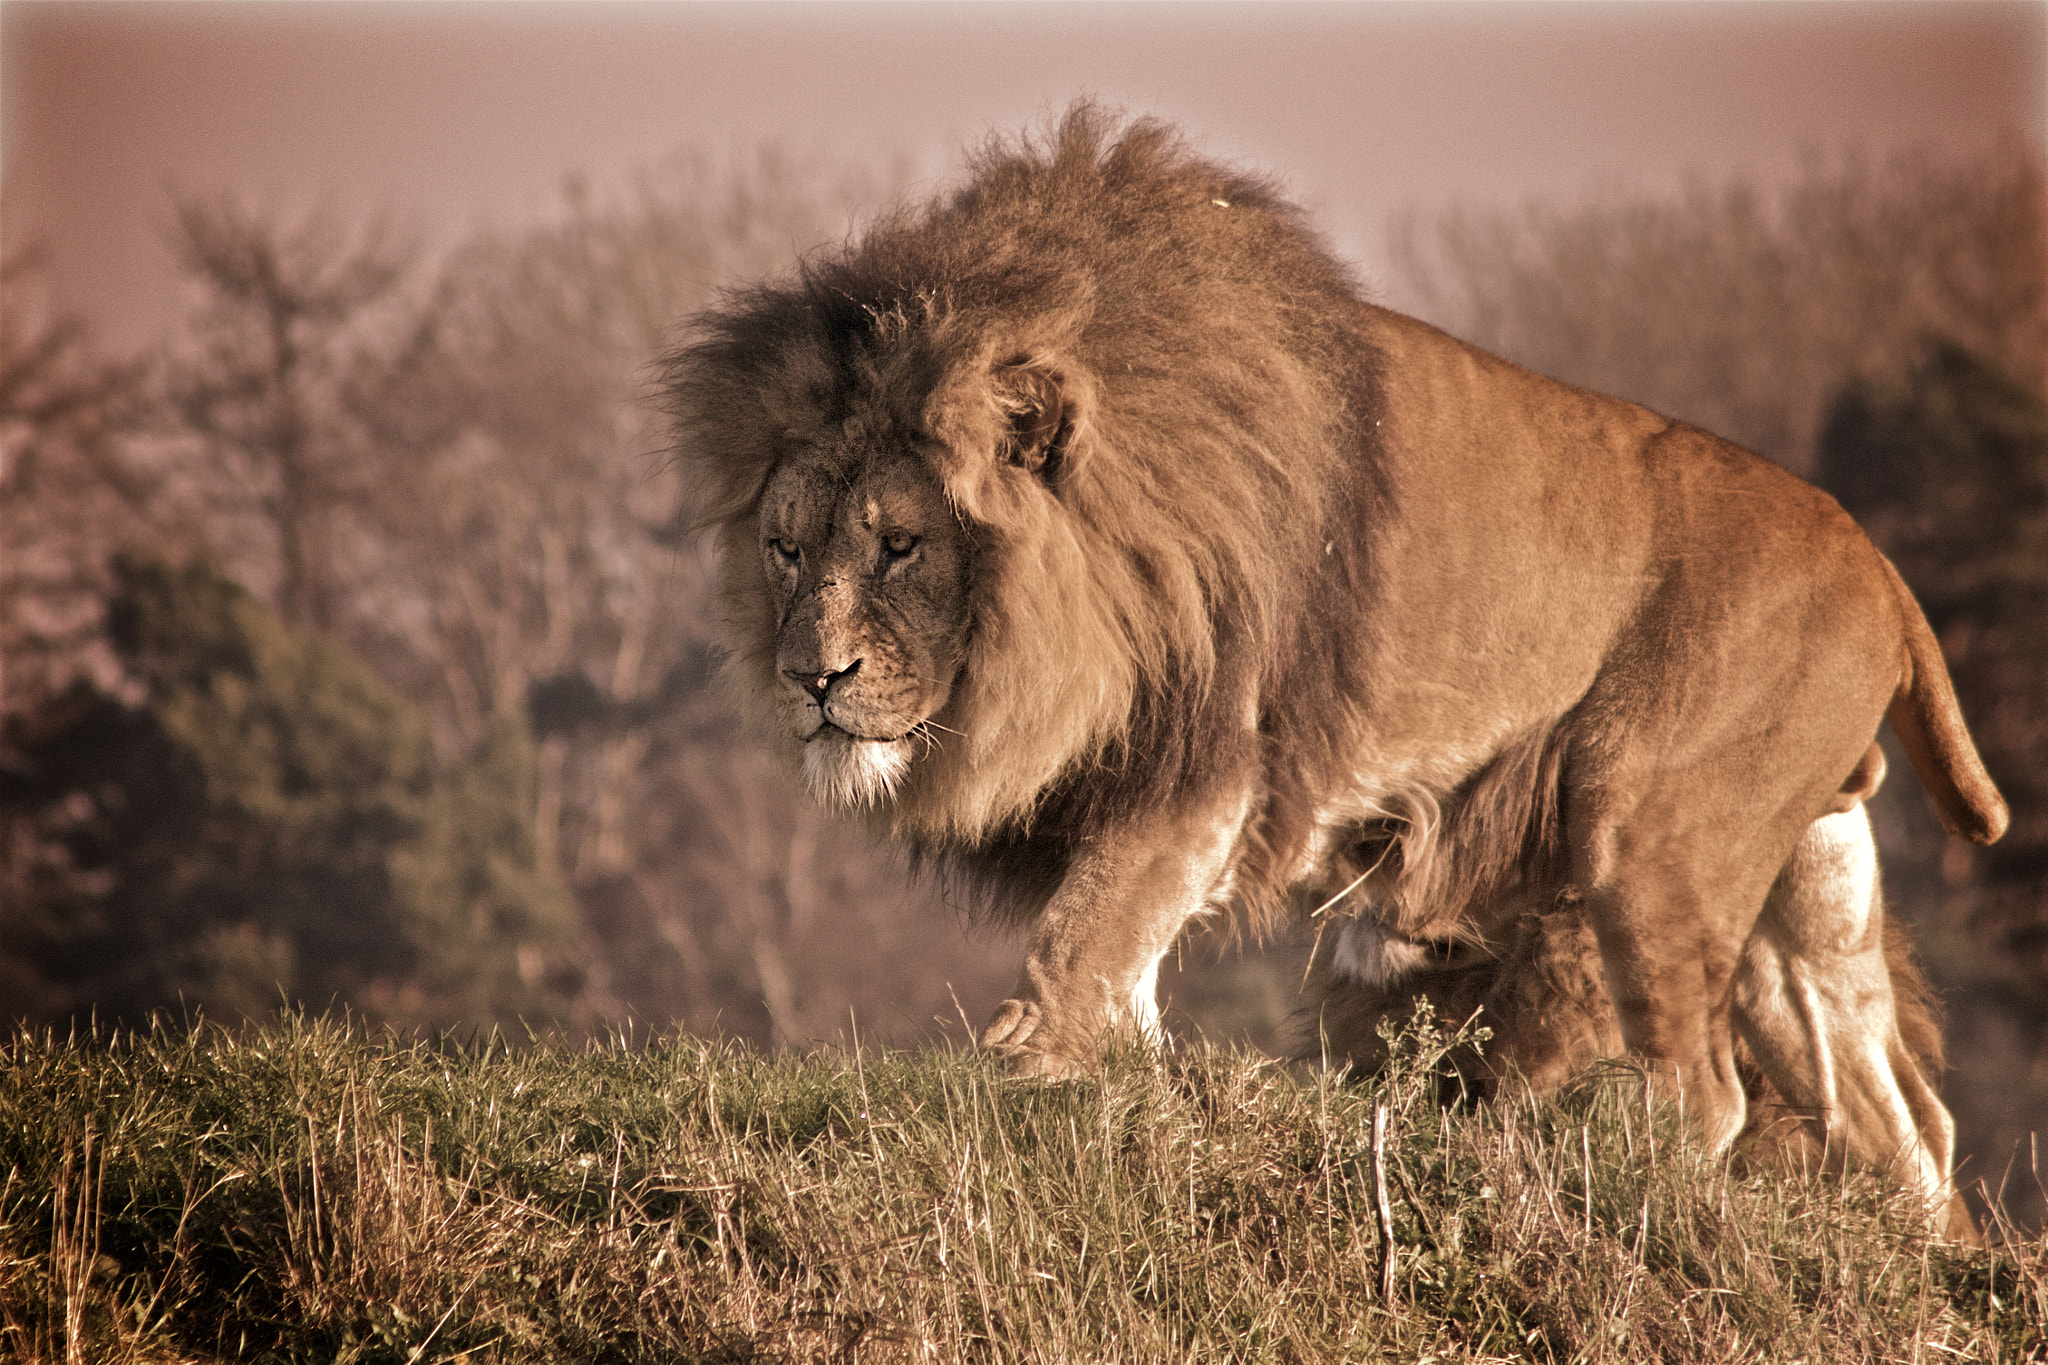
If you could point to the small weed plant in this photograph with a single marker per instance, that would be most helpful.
(310, 1191)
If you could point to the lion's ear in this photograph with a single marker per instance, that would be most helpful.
(1034, 402)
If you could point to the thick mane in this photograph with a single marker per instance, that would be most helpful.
(1176, 571)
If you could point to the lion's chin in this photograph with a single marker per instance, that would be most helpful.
(853, 773)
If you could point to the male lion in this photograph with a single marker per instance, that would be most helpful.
(1086, 531)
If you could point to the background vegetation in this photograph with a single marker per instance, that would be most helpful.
(350, 655)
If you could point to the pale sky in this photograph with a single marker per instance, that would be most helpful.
(460, 113)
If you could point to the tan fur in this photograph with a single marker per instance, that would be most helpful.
(1126, 564)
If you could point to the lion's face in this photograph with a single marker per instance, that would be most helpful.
(868, 570)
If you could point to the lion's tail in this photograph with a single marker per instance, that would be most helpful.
(1924, 715)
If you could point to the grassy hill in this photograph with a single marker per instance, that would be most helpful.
(309, 1192)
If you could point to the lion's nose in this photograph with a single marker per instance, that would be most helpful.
(818, 684)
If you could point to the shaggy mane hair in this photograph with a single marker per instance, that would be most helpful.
(1193, 586)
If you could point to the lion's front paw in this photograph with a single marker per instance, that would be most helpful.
(1013, 1025)
(1018, 1031)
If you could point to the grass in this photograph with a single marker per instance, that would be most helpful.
(311, 1192)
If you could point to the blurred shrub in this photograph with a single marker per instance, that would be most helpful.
(266, 817)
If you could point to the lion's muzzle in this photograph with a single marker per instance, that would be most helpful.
(841, 701)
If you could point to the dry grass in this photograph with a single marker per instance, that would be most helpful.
(309, 1192)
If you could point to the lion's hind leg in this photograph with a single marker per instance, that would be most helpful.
(1814, 1001)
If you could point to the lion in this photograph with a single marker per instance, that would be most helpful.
(1087, 532)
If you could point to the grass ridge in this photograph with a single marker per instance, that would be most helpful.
(311, 1190)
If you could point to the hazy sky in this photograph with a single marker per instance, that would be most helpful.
(450, 114)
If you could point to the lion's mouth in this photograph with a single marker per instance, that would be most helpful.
(827, 729)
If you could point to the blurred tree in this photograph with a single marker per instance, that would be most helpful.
(1740, 310)
(68, 495)
(292, 340)
(1946, 464)
(267, 820)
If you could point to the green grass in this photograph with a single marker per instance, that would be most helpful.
(310, 1192)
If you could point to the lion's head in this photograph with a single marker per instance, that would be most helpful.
(867, 568)
(979, 530)
(917, 619)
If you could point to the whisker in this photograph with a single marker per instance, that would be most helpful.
(925, 732)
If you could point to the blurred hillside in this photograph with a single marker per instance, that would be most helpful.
(350, 652)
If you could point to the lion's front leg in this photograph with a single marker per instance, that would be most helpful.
(1094, 959)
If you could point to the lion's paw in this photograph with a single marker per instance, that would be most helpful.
(1014, 1023)
(1018, 1031)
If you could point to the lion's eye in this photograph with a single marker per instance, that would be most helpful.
(788, 551)
(899, 543)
